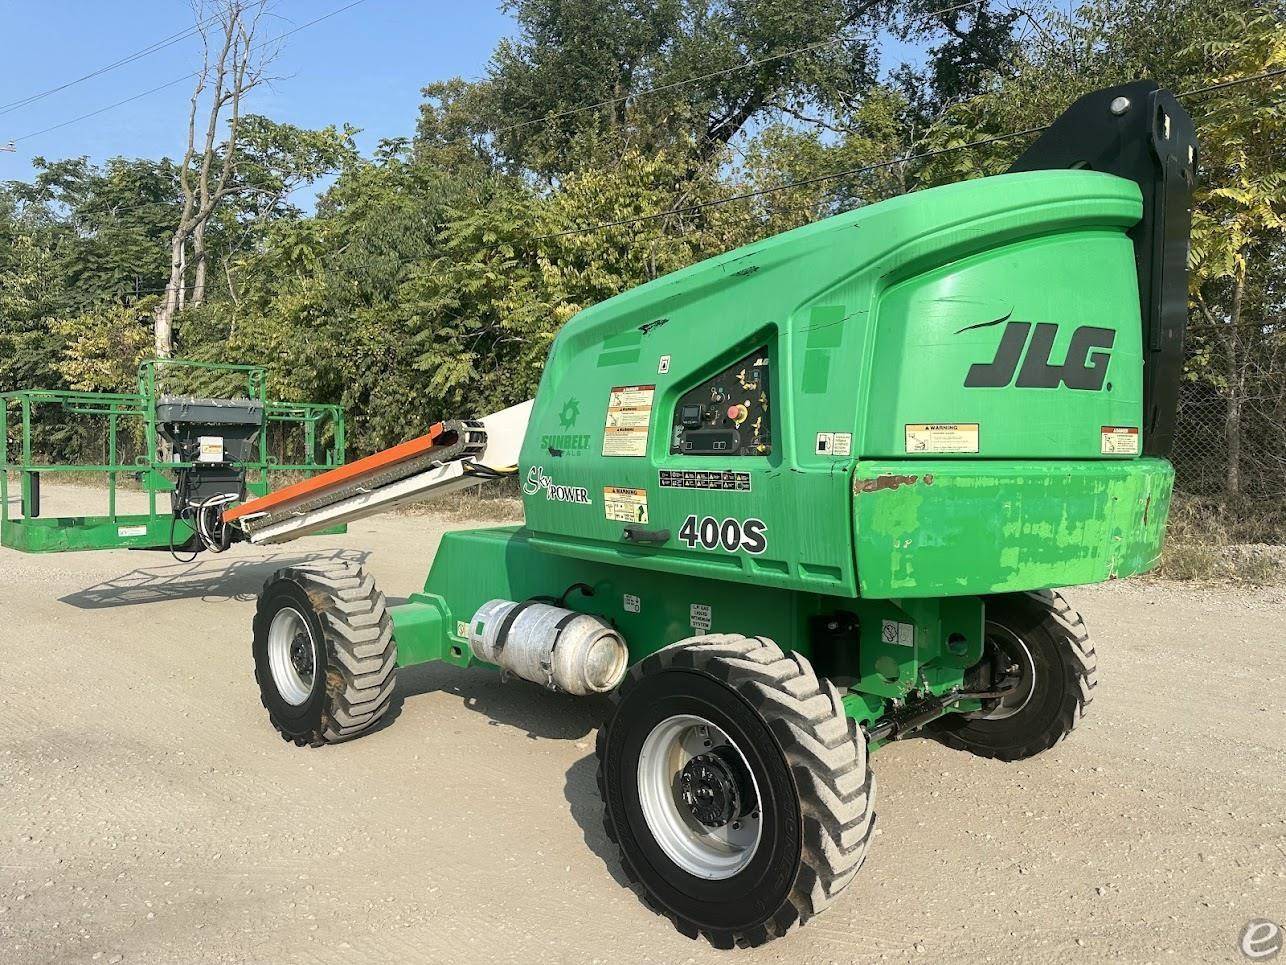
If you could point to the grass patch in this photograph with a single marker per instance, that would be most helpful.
(494, 501)
(1209, 541)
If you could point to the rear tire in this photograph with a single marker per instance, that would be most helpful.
(756, 833)
(325, 658)
(1065, 672)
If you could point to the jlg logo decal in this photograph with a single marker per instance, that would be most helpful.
(1084, 368)
(730, 535)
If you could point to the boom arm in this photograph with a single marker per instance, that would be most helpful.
(451, 456)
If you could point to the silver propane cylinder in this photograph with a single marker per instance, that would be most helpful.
(549, 645)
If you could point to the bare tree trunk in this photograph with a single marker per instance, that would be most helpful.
(199, 262)
(183, 276)
(228, 74)
(164, 326)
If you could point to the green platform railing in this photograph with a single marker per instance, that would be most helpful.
(309, 438)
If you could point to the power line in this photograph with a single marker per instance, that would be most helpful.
(746, 65)
(103, 110)
(1234, 82)
(772, 189)
(128, 59)
(188, 76)
(753, 62)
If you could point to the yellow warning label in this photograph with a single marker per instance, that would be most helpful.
(625, 505)
(629, 413)
(942, 437)
(1120, 441)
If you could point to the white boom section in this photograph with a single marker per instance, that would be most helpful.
(505, 430)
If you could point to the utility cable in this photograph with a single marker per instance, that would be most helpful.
(187, 76)
(159, 45)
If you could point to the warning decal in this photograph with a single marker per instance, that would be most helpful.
(1120, 441)
(625, 505)
(897, 634)
(629, 412)
(942, 437)
(699, 616)
(834, 443)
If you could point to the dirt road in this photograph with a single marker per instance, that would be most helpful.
(149, 814)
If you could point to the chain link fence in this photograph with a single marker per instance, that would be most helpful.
(1248, 507)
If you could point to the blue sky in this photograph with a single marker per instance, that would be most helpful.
(364, 66)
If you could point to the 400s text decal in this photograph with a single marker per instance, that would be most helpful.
(729, 535)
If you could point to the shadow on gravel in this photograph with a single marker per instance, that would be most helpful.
(513, 703)
(208, 579)
(581, 791)
(537, 713)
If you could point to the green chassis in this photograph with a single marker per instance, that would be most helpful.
(935, 639)
(118, 417)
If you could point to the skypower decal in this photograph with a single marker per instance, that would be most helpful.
(537, 482)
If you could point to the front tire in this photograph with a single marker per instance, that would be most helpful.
(1048, 643)
(325, 658)
(737, 789)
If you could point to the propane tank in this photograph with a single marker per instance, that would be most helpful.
(549, 645)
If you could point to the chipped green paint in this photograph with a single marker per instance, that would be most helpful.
(1012, 525)
(872, 321)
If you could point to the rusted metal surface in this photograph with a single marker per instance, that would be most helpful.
(888, 481)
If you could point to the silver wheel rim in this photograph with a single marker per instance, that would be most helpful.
(1013, 647)
(290, 641)
(666, 756)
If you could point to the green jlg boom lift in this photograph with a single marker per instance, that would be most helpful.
(795, 502)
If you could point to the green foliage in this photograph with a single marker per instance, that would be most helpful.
(103, 347)
(637, 58)
(1242, 201)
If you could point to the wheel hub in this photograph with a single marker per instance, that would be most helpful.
(1013, 674)
(292, 656)
(301, 654)
(699, 797)
(712, 790)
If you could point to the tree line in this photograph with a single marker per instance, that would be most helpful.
(433, 274)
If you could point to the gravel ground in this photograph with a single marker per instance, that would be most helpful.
(149, 814)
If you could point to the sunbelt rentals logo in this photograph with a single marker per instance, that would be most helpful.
(537, 481)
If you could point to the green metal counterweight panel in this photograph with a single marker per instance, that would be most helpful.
(34, 423)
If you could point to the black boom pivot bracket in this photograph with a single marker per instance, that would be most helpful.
(1140, 132)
